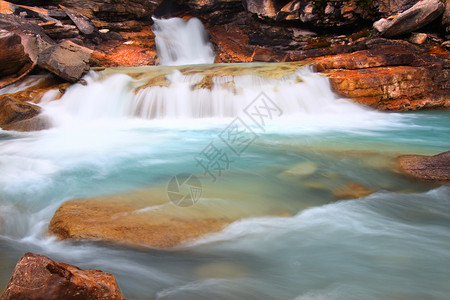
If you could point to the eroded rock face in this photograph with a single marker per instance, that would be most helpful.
(431, 168)
(38, 277)
(421, 14)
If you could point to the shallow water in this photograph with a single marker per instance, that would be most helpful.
(295, 239)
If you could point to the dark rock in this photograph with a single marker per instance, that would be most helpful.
(37, 12)
(392, 7)
(446, 16)
(433, 168)
(22, 26)
(421, 14)
(85, 25)
(13, 110)
(67, 60)
(38, 277)
(62, 32)
(316, 13)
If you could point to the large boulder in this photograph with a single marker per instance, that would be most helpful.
(421, 14)
(431, 168)
(13, 110)
(67, 60)
(38, 277)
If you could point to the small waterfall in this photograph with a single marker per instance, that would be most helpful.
(174, 94)
(181, 42)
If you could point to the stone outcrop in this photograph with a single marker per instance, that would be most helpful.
(390, 76)
(430, 168)
(421, 14)
(38, 277)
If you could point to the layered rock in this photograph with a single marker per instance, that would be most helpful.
(390, 76)
(38, 277)
(430, 168)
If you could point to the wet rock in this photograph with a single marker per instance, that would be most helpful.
(13, 110)
(33, 124)
(38, 277)
(421, 14)
(352, 190)
(431, 168)
(67, 60)
(133, 219)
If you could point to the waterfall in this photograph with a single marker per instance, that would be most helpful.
(181, 42)
(186, 85)
(174, 95)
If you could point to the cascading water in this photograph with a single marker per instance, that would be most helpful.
(135, 128)
(181, 42)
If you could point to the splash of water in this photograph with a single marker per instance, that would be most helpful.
(181, 42)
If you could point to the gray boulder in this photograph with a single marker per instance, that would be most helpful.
(421, 14)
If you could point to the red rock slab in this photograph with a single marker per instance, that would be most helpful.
(38, 277)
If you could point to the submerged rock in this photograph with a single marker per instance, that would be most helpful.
(352, 190)
(432, 168)
(38, 277)
(132, 219)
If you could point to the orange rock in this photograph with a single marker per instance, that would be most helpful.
(38, 277)
(352, 190)
(433, 168)
(128, 218)
(231, 44)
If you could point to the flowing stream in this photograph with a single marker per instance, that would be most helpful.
(295, 236)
